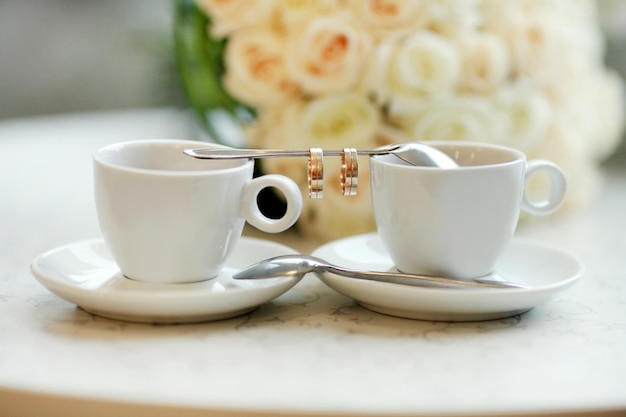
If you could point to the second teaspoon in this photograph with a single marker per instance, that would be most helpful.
(299, 265)
(410, 152)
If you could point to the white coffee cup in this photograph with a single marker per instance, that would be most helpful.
(170, 218)
(456, 222)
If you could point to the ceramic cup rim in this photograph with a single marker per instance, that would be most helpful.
(515, 156)
(217, 167)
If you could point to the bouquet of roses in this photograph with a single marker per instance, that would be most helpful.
(354, 73)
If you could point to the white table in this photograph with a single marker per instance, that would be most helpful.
(309, 352)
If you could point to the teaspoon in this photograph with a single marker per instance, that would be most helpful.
(299, 265)
(410, 152)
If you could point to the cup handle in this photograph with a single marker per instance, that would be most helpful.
(250, 206)
(558, 188)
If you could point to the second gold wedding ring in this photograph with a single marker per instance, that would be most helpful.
(349, 171)
(316, 173)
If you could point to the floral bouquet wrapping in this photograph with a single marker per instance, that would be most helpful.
(296, 74)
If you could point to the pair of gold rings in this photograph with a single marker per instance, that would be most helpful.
(349, 172)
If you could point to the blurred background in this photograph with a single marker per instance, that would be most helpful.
(59, 56)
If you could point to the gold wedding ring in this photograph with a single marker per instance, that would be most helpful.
(316, 172)
(349, 171)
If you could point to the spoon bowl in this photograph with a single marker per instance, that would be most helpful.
(420, 154)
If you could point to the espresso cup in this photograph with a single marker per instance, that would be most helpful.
(170, 218)
(456, 222)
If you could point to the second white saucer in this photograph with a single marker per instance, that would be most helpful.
(546, 270)
(85, 274)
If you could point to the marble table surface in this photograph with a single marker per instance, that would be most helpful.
(311, 351)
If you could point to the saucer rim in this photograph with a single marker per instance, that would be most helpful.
(519, 298)
(156, 305)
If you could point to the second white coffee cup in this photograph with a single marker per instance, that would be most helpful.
(456, 222)
(170, 218)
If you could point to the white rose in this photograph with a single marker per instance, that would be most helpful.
(463, 118)
(565, 145)
(328, 54)
(581, 56)
(377, 78)
(545, 44)
(529, 115)
(391, 17)
(345, 120)
(484, 62)
(267, 129)
(255, 68)
(454, 18)
(419, 64)
(228, 16)
(596, 111)
(607, 104)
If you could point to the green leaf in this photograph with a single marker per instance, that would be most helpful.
(200, 63)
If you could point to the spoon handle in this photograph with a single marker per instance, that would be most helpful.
(226, 153)
(420, 280)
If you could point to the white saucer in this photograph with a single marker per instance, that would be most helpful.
(545, 269)
(84, 273)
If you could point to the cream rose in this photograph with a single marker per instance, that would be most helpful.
(484, 62)
(540, 46)
(228, 16)
(535, 50)
(255, 68)
(296, 12)
(391, 17)
(328, 54)
(555, 44)
(273, 130)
